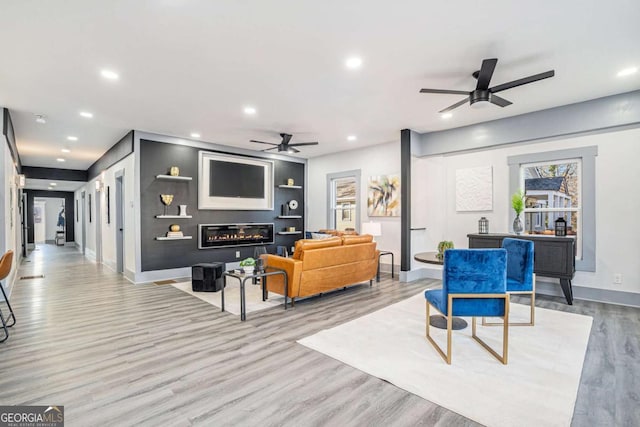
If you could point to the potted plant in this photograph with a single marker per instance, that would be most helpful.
(247, 265)
(443, 246)
(517, 203)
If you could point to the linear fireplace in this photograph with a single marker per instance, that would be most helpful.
(224, 235)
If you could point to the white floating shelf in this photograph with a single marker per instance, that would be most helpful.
(289, 186)
(289, 232)
(174, 216)
(174, 238)
(174, 178)
(289, 216)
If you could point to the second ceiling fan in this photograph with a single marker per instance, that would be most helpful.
(285, 145)
(483, 92)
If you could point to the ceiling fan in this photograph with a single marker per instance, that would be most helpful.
(483, 92)
(285, 145)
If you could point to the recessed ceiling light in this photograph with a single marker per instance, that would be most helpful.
(195, 135)
(60, 159)
(65, 150)
(49, 188)
(86, 114)
(249, 111)
(109, 75)
(352, 138)
(446, 115)
(40, 118)
(53, 184)
(627, 71)
(72, 138)
(354, 63)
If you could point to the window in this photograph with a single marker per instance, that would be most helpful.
(559, 184)
(343, 192)
(552, 191)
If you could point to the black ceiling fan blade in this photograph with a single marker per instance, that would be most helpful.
(486, 72)
(522, 81)
(272, 148)
(290, 149)
(262, 142)
(445, 91)
(298, 144)
(495, 99)
(456, 105)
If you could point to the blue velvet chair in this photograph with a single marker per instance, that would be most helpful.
(520, 276)
(474, 284)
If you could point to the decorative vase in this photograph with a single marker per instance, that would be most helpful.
(518, 228)
(183, 210)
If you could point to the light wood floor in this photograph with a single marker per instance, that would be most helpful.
(119, 354)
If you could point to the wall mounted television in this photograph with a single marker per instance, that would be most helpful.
(229, 182)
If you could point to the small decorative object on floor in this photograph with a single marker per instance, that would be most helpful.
(183, 210)
(517, 202)
(166, 199)
(248, 265)
(443, 246)
(290, 181)
(561, 227)
(174, 171)
(483, 226)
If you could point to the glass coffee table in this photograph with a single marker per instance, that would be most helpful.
(243, 277)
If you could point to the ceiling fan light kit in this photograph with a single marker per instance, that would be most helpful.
(483, 94)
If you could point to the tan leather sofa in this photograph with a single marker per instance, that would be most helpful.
(323, 265)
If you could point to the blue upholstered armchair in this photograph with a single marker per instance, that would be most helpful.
(520, 276)
(474, 283)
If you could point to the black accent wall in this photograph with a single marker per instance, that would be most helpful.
(157, 158)
(119, 151)
(54, 174)
(69, 211)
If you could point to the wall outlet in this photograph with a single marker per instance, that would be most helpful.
(617, 278)
(237, 254)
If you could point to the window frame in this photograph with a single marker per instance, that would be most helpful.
(587, 156)
(577, 210)
(332, 208)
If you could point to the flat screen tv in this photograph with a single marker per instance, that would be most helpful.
(230, 182)
(247, 180)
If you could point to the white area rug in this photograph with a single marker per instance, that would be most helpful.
(232, 296)
(537, 388)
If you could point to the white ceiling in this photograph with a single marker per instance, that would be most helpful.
(193, 65)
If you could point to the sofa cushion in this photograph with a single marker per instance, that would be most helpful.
(310, 244)
(337, 255)
(354, 240)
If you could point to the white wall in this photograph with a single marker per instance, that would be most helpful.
(374, 160)
(108, 230)
(617, 201)
(10, 214)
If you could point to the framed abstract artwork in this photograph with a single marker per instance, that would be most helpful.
(383, 195)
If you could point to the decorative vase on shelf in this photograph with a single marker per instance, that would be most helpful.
(183, 210)
(518, 228)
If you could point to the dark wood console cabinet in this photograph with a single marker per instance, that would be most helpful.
(553, 256)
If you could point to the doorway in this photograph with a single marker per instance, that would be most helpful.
(119, 206)
(39, 221)
(98, 220)
(84, 223)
